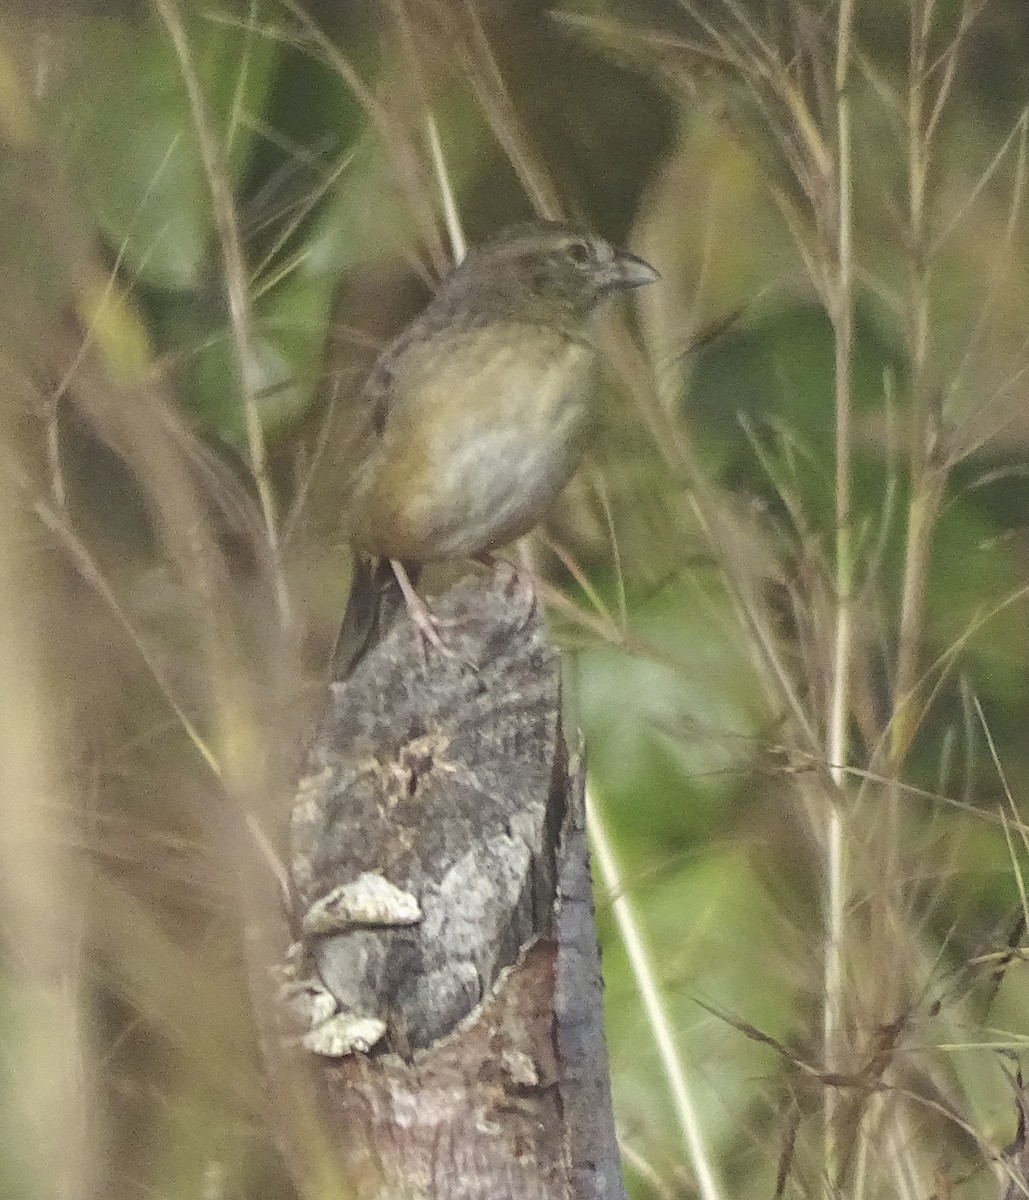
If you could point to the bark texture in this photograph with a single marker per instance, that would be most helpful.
(442, 884)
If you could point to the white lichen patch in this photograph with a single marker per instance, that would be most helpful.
(368, 900)
(330, 1031)
(344, 1034)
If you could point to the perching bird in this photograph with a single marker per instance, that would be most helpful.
(476, 414)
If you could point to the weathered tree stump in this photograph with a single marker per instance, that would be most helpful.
(442, 888)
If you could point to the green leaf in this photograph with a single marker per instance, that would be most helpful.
(131, 143)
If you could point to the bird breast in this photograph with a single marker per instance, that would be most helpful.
(480, 437)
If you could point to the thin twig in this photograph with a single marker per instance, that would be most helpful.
(660, 1024)
(842, 316)
(458, 245)
(216, 171)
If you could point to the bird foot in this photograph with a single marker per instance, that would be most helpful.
(425, 621)
(429, 627)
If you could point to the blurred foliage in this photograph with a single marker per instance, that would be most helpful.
(628, 116)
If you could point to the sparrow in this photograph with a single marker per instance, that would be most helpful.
(476, 416)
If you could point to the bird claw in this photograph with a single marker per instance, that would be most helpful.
(425, 621)
(428, 626)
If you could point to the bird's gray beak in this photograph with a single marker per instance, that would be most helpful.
(628, 271)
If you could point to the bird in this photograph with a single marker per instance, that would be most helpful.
(474, 418)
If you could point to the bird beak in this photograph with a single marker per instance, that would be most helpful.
(628, 271)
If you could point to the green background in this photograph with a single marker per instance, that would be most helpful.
(720, 398)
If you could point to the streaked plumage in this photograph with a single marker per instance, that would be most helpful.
(475, 416)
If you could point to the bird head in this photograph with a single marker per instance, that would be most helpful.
(546, 271)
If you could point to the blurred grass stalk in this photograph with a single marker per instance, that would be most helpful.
(237, 289)
(51, 1113)
(641, 962)
(84, 330)
(841, 314)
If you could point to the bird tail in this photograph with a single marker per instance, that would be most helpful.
(374, 601)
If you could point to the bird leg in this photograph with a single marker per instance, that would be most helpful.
(428, 626)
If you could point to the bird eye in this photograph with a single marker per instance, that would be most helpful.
(579, 252)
